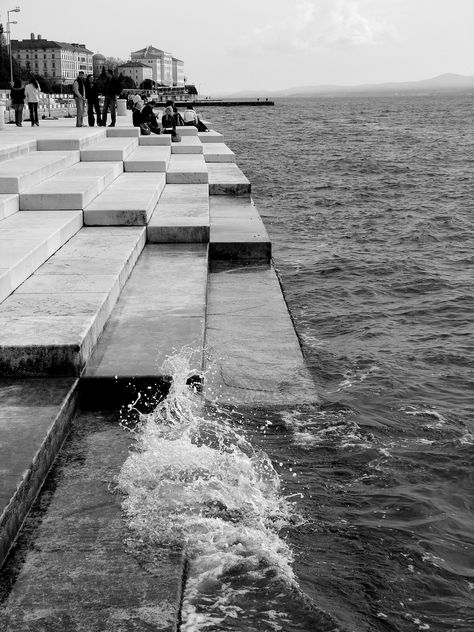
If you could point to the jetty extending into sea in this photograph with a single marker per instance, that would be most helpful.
(116, 252)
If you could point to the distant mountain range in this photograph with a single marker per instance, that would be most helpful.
(441, 83)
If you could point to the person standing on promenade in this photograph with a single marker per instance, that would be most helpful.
(79, 91)
(17, 96)
(92, 96)
(112, 89)
(32, 93)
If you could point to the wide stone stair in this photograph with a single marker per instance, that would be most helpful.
(117, 250)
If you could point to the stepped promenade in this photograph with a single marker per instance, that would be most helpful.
(116, 251)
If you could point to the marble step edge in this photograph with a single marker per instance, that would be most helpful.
(54, 162)
(20, 503)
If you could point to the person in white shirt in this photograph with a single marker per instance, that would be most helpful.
(32, 94)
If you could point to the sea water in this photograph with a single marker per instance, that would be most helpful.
(356, 514)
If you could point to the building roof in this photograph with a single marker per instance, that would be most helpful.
(149, 51)
(30, 44)
(176, 59)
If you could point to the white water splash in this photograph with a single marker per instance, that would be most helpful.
(193, 481)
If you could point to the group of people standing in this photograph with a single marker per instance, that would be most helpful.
(87, 91)
(29, 93)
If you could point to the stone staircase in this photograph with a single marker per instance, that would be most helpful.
(107, 248)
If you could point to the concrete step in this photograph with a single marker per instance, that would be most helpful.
(13, 147)
(237, 231)
(34, 419)
(217, 152)
(187, 169)
(161, 309)
(225, 178)
(154, 139)
(27, 240)
(50, 324)
(20, 174)
(114, 148)
(211, 137)
(128, 201)
(51, 139)
(188, 145)
(131, 132)
(77, 568)
(181, 215)
(74, 188)
(251, 344)
(187, 130)
(148, 158)
(9, 204)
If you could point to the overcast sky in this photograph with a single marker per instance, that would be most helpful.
(231, 45)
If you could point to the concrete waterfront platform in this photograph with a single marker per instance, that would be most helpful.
(148, 158)
(9, 204)
(51, 323)
(27, 240)
(73, 188)
(188, 145)
(112, 148)
(34, 419)
(252, 351)
(187, 169)
(211, 137)
(155, 139)
(181, 215)
(20, 174)
(237, 230)
(162, 308)
(128, 201)
(217, 152)
(227, 179)
(80, 569)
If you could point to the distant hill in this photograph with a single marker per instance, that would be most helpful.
(446, 82)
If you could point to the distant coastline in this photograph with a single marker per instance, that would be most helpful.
(448, 82)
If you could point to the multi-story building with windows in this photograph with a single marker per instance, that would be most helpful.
(60, 62)
(163, 67)
(136, 70)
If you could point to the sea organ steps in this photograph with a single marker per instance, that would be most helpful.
(171, 274)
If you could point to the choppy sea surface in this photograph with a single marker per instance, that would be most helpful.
(356, 514)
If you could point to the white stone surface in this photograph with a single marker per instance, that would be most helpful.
(148, 158)
(211, 137)
(114, 148)
(52, 138)
(9, 204)
(187, 169)
(225, 178)
(20, 174)
(181, 215)
(188, 145)
(27, 240)
(74, 188)
(50, 329)
(133, 132)
(187, 130)
(217, 152)
(154, 139)
(129, 201)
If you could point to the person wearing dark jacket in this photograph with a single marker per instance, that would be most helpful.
(79, 91)
(112, 89)
(92, 96)
(17, 96)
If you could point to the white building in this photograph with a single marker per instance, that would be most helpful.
(136, 70)
(178, 72)
(59, 62)
(161, 64)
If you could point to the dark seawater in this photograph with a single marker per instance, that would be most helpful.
(357, 514)
(370, 206)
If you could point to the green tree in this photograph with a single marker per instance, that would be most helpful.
(127, 82)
